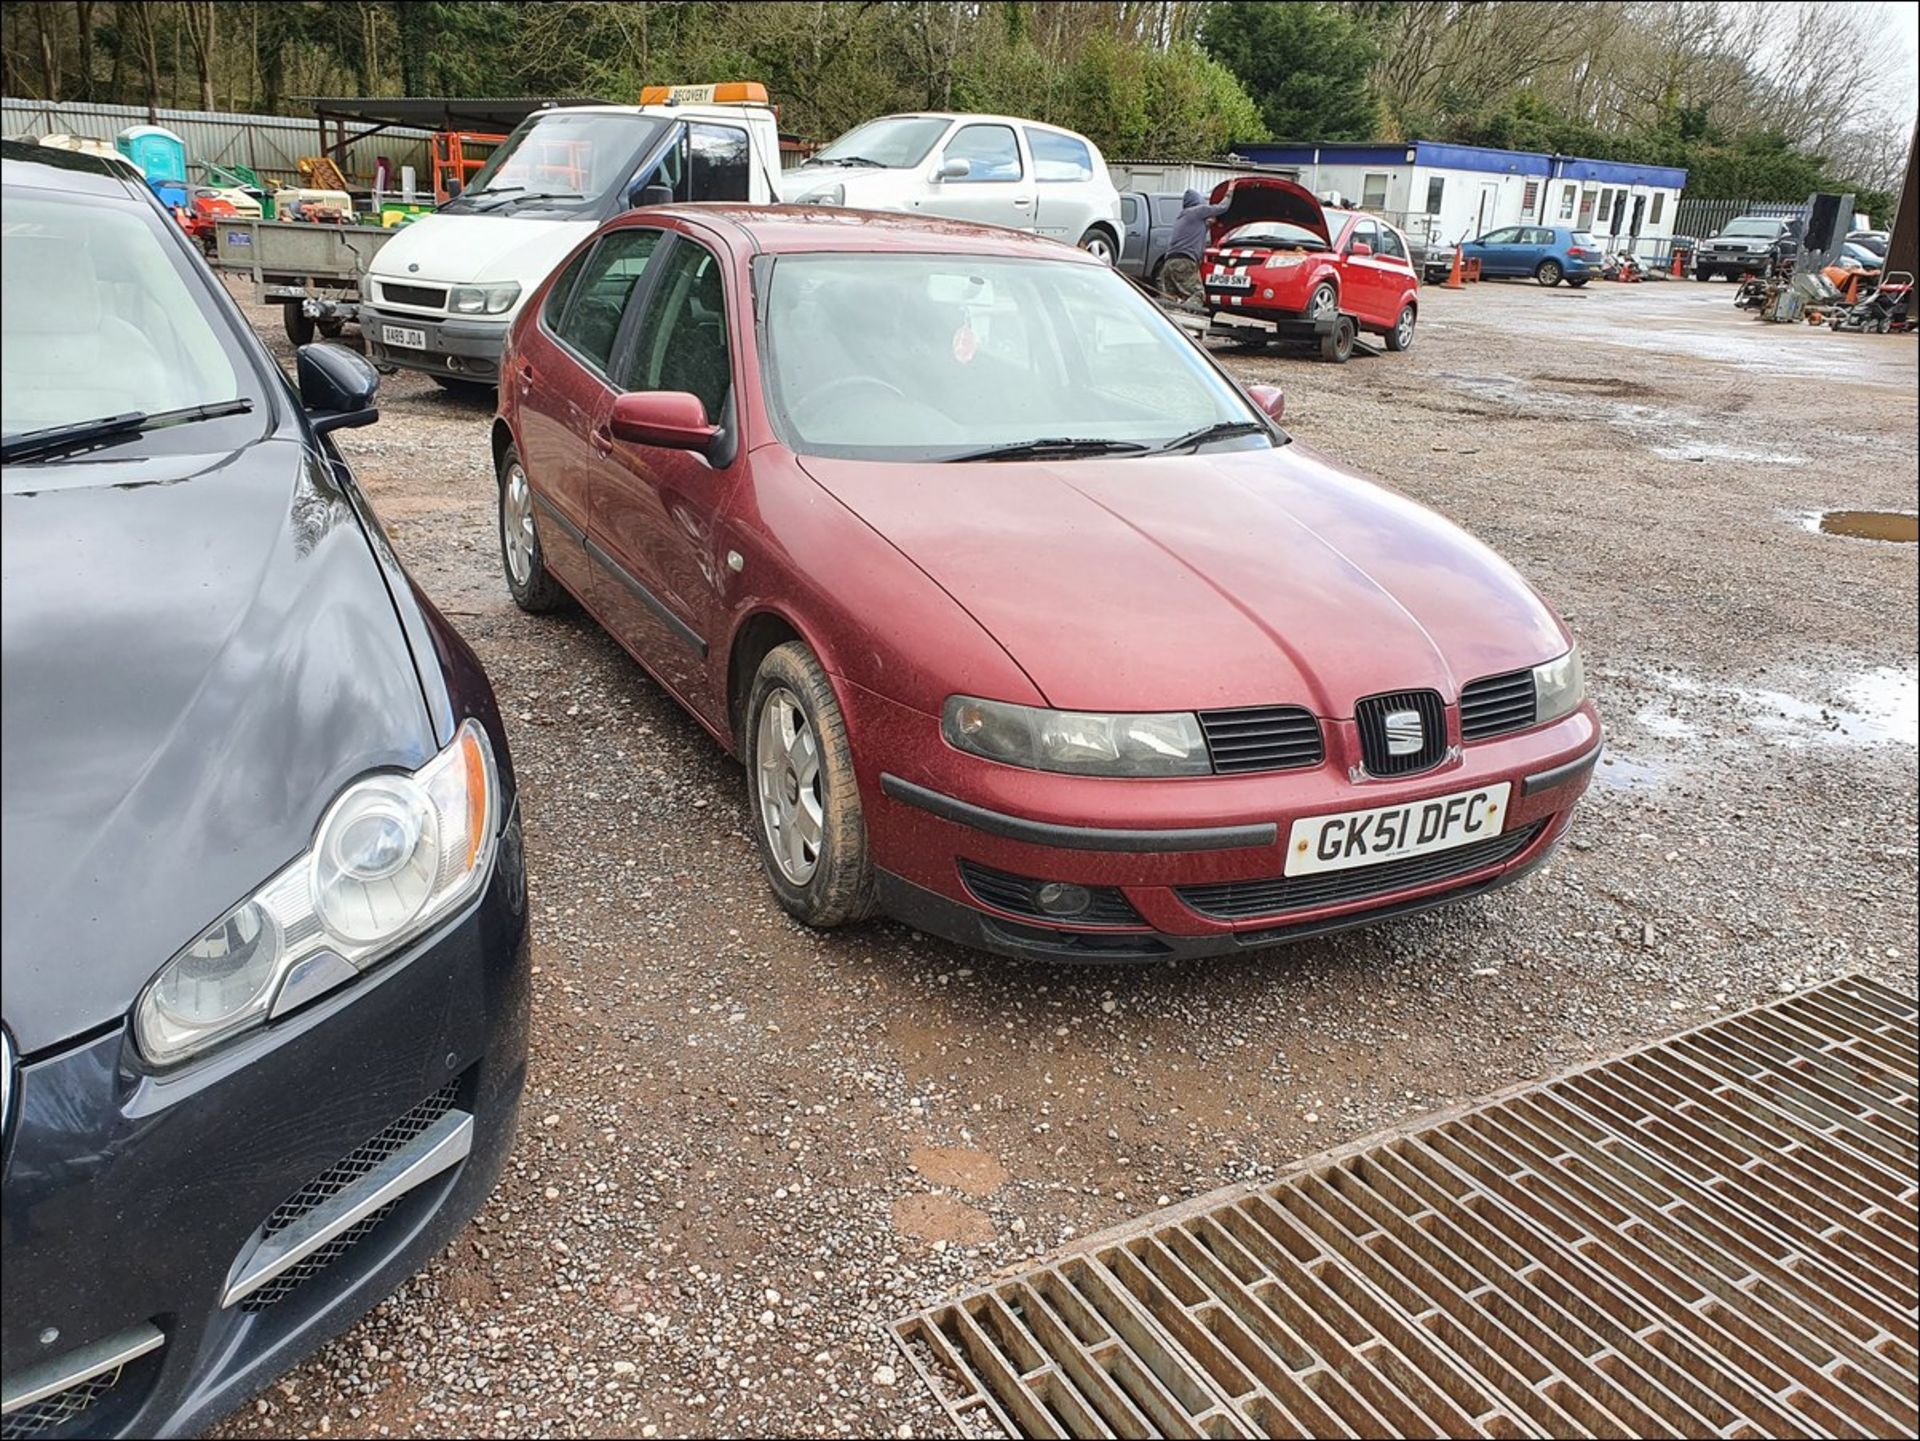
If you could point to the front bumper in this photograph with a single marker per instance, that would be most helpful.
(140, 1206)
(1180, 868)
(455, 346)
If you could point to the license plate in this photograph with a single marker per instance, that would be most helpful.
(404, 335)
(1392, 833)
(1230, 280)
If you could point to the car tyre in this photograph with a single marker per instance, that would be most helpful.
(1337, 344)
(1548, 272)
(1576, 283)
(1098, 242)
(804, 802)
(298, 324)
(528, 580)
(1401, 336)
(1325, 300)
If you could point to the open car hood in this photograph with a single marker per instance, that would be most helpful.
(1268, 197)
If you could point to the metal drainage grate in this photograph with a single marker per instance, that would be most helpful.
(39, 1417)
(1714, 1235)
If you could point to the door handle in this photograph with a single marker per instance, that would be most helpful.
(1023, 201)
(525, 373)
(602, 441)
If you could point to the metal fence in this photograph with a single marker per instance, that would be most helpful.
(268, 144)
(1702, 218)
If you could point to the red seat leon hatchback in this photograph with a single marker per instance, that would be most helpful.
(1031, 626)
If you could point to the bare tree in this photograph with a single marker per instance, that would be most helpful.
(199, 21)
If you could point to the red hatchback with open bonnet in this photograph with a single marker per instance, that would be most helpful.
(1031, 626)
(1281, 256)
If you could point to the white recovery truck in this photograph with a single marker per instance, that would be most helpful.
(442, 293)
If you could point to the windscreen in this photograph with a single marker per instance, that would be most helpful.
(1279, 234)
(560, 160)
(931, 357)
(99, 317)
(1754, 228)
(892, 142)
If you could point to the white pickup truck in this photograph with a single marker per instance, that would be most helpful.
(441, 294)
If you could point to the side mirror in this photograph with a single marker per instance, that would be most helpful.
(337, 387)
(1270, 398)
(654, 194)
(1359, 247)
(673, 419)
(955, 169)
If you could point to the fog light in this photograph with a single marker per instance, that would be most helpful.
(1267, 294)
(1057, 898)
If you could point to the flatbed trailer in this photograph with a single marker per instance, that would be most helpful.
(1334, 337)
(314, 272)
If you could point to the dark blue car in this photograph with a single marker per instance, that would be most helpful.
(264, 963)
(1548, 253)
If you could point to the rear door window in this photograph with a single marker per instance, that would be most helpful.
(1059, 157)
(600, 294)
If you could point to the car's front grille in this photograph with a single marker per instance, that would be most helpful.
(426, 297)
(1278, 895)
(1376, 747)
(1020, 896)
(1496, 704)
(1262, 738)
(348, 1171)
(37, 1418)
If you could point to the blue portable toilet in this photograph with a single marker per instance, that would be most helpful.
(161, 156)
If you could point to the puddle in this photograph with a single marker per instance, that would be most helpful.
(1727, 452)
(1895, 525)
(1629, 773)
(1880, 706)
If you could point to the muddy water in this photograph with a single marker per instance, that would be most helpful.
(1894, 525)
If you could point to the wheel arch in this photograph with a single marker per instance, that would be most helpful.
(500, 437)
(757, 633)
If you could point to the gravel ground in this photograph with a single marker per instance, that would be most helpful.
(746, 1147)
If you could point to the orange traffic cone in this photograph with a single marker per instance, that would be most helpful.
(1675, 270)
(1453, 276)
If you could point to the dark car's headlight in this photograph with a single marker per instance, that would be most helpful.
(1078, 742)
(1558, 687)
(393, 854)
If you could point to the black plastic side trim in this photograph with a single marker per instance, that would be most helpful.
(682, 632)
(554, 513)
(1076, 838)
(1560, 775)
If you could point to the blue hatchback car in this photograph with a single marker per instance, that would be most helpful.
(1548, 253)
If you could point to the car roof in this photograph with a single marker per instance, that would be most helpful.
(47, 167)
(982, 115)
(794, 229)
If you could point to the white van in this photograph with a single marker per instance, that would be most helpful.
(993, 168)
(441, 294)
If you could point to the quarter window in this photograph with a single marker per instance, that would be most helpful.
(1436, 188)
(1373, 192)
(599, 296)
(990, 151)
(681, 342)
(1057, 156)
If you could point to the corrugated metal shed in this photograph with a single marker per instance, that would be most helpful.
(1174, 176)
(269, 144)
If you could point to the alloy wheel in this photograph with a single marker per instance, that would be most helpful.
(1324, 302)
(1403, 332)
(516, 524)
(786, 758)
(1098, 246)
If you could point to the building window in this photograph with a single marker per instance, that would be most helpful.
(1567, 193)
(1587, 198)
(1436, 187)
(1530, 197)
(1373, 192)
(1606, 204)
(1659, 203)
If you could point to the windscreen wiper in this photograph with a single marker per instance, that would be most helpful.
(1052, 446)
(851, 160)
(1221, 430)
(109, 428)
